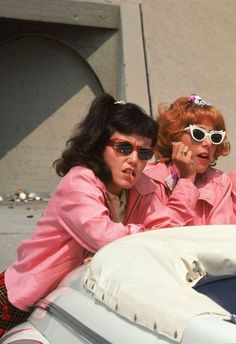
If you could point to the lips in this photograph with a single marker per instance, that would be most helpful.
(203, 156)
(129, 173)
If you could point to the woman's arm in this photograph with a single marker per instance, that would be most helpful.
(176, 210)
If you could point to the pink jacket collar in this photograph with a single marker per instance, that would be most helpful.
(144, 185)
(205, 183)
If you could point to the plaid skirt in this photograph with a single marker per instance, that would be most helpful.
(10, 316)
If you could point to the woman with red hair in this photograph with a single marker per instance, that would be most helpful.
(191, 137)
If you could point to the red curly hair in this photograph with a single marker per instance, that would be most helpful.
(179, 115)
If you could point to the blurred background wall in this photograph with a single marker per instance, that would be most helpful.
(55, 56)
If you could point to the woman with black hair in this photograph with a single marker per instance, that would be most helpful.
(102, 196)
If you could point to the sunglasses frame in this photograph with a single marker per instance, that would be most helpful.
(115, 144)
(191, 128)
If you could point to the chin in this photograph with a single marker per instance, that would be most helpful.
(128, 187)
(202, 170)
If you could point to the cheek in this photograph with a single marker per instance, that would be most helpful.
(186, 139)
(113, 162)
(109, 157)
(213, 150)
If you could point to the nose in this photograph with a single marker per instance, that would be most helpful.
(207, 142)
(133, 157)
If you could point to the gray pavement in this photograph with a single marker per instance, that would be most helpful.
(17, 222)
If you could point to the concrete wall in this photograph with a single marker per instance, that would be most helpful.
(191, 47)
(48, 76)
(146, 51)
(55, 57)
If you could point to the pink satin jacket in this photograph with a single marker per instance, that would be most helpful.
(209, 199)
(232, 176)
(78, 219)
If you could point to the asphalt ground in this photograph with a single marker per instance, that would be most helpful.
(17, 222)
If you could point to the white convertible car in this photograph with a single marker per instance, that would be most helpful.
(163, 286)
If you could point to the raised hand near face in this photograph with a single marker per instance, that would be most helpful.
(183, 159)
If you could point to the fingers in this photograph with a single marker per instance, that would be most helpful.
(184, 161)
(184, 152)
(180, 151)
(87, 260)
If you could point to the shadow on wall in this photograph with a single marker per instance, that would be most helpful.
(38, 75)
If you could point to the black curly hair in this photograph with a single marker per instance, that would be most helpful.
(105, 116)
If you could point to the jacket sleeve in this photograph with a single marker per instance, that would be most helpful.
(174, 211)
(82, 212)
(222, 211)
(232, 176)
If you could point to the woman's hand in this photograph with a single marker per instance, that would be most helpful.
(87, 260)
(183, 159)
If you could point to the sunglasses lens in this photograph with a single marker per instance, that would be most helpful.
(145, 154)
(125, 148)
(198, 134)
(216, 138)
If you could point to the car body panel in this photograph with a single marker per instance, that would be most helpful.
(71, 314)
(72, 297)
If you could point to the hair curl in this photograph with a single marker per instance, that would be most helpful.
(179, 115)
(90, 137)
